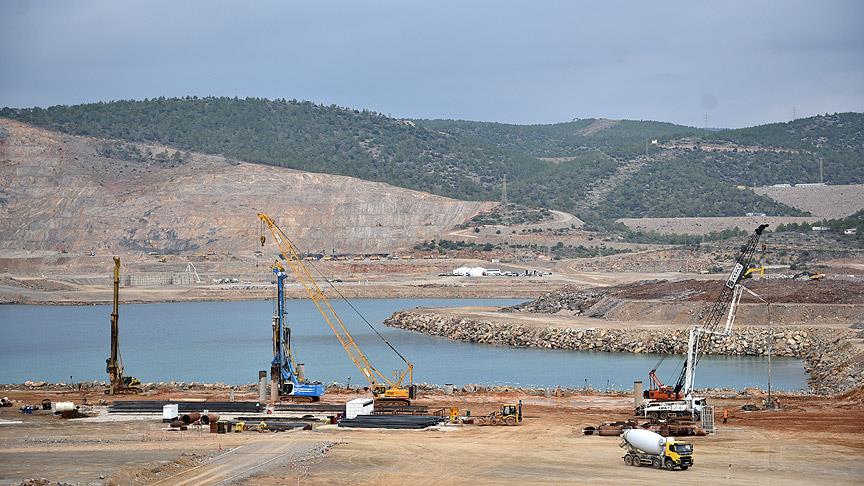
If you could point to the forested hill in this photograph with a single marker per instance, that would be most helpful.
(618, 138)
(838, 140)
(595, 168)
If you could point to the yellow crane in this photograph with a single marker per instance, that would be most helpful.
(385, 390)
(114, 364)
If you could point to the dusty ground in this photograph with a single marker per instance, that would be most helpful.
(678, 303)
(705, 225)
(774, 291)
(822, 201)
(85, 279)
(811, 439)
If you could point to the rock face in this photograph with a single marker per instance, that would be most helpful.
(60, 192)
(827, 353)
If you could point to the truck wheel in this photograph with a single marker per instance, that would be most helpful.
(511, 420)
(663, 416)
(669, 464)
(656, 462)
(628, 459)
(652, 415)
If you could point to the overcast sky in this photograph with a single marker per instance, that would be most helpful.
(742, 63)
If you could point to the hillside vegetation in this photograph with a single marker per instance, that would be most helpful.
(837, 139)
(549, 166)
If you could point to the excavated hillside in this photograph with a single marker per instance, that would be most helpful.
(61, 193)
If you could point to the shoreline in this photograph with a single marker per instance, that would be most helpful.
(156, 388)
(833, 358)
(164, 297)
(249, 298)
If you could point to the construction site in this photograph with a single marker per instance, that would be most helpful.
(289, 427)
(588, 245)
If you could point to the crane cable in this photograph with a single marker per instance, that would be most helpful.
(299, 250)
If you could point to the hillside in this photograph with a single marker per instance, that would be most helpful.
(61, 193)
(617, 138)
(835, 201)
(595, 168)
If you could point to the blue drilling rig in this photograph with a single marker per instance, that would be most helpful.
(284, 369)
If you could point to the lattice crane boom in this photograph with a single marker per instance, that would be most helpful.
(380, 382)
(729, 293)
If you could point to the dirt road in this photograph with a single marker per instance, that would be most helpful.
(246, 460)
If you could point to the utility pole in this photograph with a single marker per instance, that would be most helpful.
(504, 191)
(821, 179)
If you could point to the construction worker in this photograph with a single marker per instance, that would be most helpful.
(725, 416)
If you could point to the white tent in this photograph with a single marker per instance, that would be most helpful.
(462, 271)
(476, 271)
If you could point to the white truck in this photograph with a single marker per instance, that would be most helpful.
(671, 409)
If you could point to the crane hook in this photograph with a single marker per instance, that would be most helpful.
(263, 239)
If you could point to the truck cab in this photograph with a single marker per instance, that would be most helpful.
(678, 454)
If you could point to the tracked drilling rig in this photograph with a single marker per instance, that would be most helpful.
(285, 372)
(665, 401)
(118, 384)
(398, 390)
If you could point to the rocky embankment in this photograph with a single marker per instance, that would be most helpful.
(829, 355)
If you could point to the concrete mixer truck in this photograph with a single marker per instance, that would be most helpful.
(646, 448)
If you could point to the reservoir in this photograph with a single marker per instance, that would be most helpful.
(229, 342)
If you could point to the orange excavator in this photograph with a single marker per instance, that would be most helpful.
(657, 390)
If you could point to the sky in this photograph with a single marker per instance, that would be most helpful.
(740, 63)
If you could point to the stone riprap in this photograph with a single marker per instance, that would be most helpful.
(828, 354)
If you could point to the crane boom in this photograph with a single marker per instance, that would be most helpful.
(697, 333)
(699, 339)
(664, 401)
(114, 364)
(381, 384)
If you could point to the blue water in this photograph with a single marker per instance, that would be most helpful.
(230, 341)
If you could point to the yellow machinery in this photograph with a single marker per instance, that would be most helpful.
(117, 382)
(754, 270)
(385, 390)
(510, 414)
(806, 275)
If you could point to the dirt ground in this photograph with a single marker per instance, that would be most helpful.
(83, 282)
(810, 439)
(829, 291)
